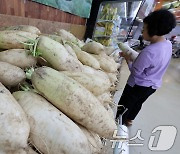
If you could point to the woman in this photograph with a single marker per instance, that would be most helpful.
(150, 65)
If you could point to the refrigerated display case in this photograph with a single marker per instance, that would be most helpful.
(115, 20)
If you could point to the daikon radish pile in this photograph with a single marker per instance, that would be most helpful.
(55, 37)
(14, 127)
(85, 58)
(66, 35)
(94, 84)
(66, 105)
(129, 51)
(11, 75)
(70, 50)
(112, 77)
(93, 47)
(94, 141)
(70, 37)
(52, 132)
(110, 111)
(115, 55)
(105, 98)
(57, 55)
(99, 73)
(106, 63)
(18, 57)
(26, 28)
(12, 39)
(108, 50)
(42, 62)
(74, 100)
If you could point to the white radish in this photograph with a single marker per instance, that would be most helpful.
(108, 50)
(70, 50)
(112, 77)
(55, 37)
(52, 132)
(106, 63)
(129, 51)
(56, 54)
(93, 83)
(105, 98)
(94, 141)
(26, 28)
(18, 57)
(70, 37)
(14, 128)
(99, 73)
(85, 58)
(11, 75)
(13, 39)
(74, 100)
(93, 47)
(110, 111)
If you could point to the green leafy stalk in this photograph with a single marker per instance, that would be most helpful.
(34, 50)
(29, 73)
(31, 45)
(24, 87)
(27, 87)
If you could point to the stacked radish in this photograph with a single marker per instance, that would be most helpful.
(72, 82)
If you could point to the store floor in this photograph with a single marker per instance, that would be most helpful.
(162, 109)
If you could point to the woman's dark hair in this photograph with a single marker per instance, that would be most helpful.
(160, 22)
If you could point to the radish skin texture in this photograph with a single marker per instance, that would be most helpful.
(93, 47)
(94, 141)
(74, 100)
(106, 63)
(110, 110)
(29, 150)
(18, 57)
(112, 77)
(20, 151)
(11, 39)
(85, 58)
(108, 50)
(94, 84)
(67, 35)
(105, 98)
(26, 28)
(70, 37)
(99, 73)
(55, 37)
(11, 75)
(14, 128)
(70, 50)
(52, 132)
(56, 54)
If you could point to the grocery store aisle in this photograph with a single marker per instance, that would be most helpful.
(161, 109)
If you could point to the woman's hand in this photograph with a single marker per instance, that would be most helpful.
(127, 57)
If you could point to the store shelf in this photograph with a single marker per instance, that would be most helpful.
(104, 36)
(122, 15)
(112, 21)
